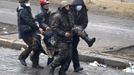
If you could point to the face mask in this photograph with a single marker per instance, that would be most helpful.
(78, 7)
(27, 4)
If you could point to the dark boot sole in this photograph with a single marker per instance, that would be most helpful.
(92, 42)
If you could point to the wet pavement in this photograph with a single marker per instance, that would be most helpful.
(7, 29)
(9, 64)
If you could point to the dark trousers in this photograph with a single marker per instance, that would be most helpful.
(63, 58)
(29, 41)
(37, 49)
(75, 55)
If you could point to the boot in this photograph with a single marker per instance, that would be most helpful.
(23, 62)
(62, 73)
(37, 66)
(89, 41)
(35, 61)
(85, 37)
(78, 69)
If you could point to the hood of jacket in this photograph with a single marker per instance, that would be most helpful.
(77, 2)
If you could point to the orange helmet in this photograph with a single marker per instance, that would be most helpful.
(43, 2)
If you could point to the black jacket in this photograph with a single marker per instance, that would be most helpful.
(62, 22)
(80, 17)
(25, 19)
(43, 18)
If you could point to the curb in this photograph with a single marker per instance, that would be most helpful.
(103, 59)
(113, 62)
(11, 44)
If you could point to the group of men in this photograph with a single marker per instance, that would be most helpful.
(66, 26)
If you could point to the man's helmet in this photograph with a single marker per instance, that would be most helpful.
(64, 3)
(43, 2)
(23, 1)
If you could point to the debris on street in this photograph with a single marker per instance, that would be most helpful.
(95, 63)
(129, 69)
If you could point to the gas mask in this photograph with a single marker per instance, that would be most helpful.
(78, 7)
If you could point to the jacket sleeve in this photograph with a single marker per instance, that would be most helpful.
(28, 19)
(55, 25)
(84, 20)
(40, 19)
